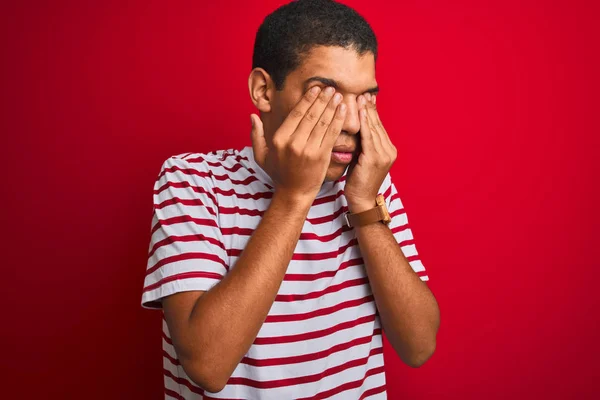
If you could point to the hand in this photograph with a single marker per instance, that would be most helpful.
(366, 175)
(301, 148)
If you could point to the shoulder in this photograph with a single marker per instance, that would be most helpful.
(390, 193)
(386, 186)
(203, 161)
(204, 165)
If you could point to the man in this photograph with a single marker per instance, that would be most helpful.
(277, 266)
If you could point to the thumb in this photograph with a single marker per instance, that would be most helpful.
(351, 168)
(259, 144)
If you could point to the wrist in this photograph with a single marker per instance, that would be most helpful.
(355, 207)
(292, 201)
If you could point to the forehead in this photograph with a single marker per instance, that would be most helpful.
(354, 73)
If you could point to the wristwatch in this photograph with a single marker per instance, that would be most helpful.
(379, 213)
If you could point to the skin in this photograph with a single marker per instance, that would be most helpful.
(293, 141)
(353, 74)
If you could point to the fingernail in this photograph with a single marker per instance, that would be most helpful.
(368, 96)
(329, 90)
(374, 99)
(315, 90)
(337, 98)
(343, 108)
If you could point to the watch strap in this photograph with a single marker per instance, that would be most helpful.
(376, 214)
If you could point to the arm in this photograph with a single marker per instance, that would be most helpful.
(408, 310)
(212, 330)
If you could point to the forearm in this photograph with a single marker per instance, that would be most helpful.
(226, 319)
(408, 310)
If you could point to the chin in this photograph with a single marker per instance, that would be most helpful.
(335, 172)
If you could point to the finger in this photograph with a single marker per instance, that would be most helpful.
(335, 128)
(372, 119)
(259, 144)
(316, 136)
(313, 115)
(384, 135)
(388, 149)
(291, 122)
(366, 136)
(351, 166)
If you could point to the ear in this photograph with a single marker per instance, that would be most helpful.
(261, 88)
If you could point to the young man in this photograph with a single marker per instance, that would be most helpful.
(278, 266)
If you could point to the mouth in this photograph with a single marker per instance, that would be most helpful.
(343, 154)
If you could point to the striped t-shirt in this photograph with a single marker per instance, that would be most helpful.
(322, 336)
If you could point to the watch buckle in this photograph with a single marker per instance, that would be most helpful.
(347, 220)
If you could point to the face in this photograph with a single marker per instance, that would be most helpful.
(349, 73)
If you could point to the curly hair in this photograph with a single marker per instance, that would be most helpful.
(291, 31)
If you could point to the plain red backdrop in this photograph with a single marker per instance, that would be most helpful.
(494, 109)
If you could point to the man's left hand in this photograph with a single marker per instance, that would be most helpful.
(366, 174)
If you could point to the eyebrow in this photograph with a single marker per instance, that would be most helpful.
(334, 84)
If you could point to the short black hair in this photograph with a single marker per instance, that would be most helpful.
(292, 30)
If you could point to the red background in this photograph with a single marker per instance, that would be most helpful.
(494, 109)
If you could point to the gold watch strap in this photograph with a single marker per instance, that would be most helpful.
(379, 213)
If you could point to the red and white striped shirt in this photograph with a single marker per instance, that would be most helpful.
(322, 336)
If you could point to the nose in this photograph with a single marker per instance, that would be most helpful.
(352, 122)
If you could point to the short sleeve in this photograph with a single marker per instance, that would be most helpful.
(400, 227)
(186, 249)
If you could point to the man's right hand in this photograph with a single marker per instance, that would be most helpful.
(301, 148)
(297, 162)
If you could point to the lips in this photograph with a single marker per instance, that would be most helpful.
(343, 154)
(344, 149)
(341, 158)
